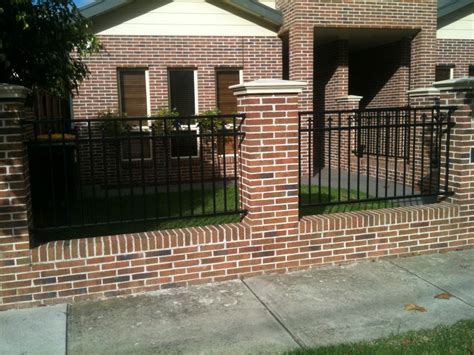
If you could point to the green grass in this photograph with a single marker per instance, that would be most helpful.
(331, 195)
(442, 340)
(136, 208)
(151, 204)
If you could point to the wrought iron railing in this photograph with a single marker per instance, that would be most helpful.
(371, 155)
(132, 170)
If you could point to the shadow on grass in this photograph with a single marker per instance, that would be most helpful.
(137, 212)
(325, 195)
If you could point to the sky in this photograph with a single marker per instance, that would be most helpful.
(80, 3)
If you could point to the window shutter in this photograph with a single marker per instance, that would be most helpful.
(133, 93)
(181, 91)
(226, 101)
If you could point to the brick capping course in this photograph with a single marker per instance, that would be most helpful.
(140, 243)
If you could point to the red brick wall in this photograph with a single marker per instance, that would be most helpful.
(301, 17)
(82, 269)
(459, 52)
(259, 57)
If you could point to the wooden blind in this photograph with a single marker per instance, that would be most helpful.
(227, 104)
(181, 91)
(132, 92)
(226, 101)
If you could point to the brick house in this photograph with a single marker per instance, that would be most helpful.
(378, 51)
(185, 54)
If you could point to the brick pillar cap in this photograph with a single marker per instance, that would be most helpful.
(269, 86)
(349, 98)
(423, 92)
(9, 91)
(465, 83)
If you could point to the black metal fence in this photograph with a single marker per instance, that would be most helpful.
(132, 170)
(374, 155)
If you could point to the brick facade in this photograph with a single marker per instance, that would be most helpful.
(304, 18)
(459, 52)
(258, 57)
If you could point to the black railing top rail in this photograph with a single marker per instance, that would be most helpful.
(131, 118)
(384, 109)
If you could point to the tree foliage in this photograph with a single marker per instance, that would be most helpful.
(43, 44)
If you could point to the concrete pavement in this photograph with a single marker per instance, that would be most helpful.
(273, 313)
(39, 330)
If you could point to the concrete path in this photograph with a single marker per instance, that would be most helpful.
(39, 330)
(274, 313)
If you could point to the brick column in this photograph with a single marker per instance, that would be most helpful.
(269, 155)
(348, 102)
(423, 97)
(460, 93)
(14, 184)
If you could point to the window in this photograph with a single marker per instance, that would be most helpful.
(182, 91)
(183, 99)
(134, 145)
(444, 72)
(133, 102)
(133, 93)
(184, 143)
(471, 70)
(227, 104)
(285, 49)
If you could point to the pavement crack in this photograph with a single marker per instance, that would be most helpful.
(275, 316)
(431, 283)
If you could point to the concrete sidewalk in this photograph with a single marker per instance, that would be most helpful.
(274, 313)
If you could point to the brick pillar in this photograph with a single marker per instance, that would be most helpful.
(269, 155)
(423, 97)
(460, 93)
(15, 209)
(348, 102)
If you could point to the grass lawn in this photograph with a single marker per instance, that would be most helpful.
(137, 209)
(334, 197)
(443, 340)
(182, 210)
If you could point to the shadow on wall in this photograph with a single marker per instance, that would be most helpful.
(381, 74)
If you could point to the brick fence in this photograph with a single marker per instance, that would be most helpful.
(271, 237)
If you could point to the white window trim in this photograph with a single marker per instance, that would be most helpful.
(451, 73)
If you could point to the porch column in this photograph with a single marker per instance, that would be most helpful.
(15, 212)
(460, 93)
(269, 155)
